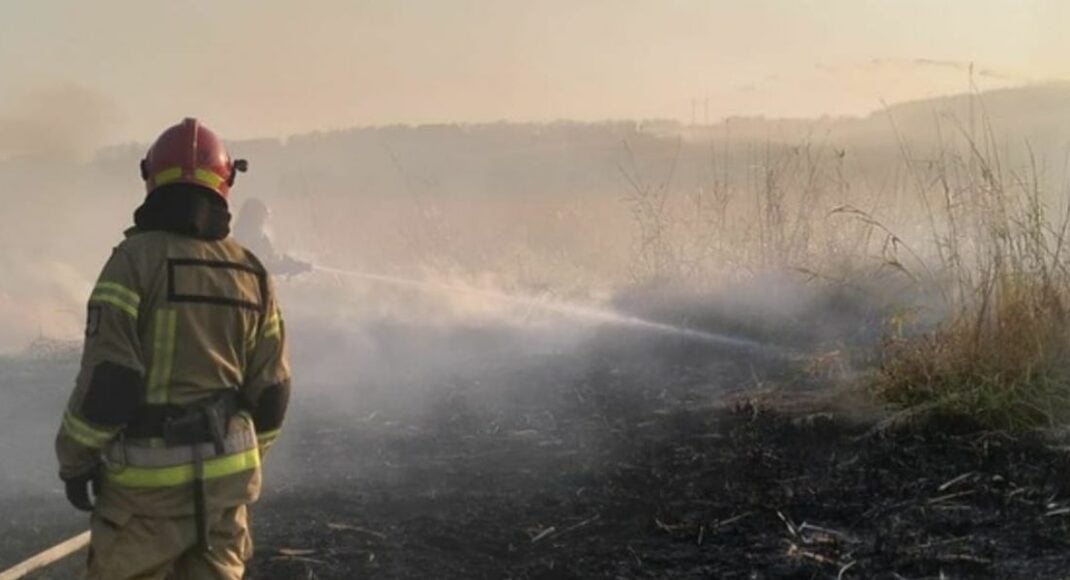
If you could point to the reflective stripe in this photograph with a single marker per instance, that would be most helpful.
(117, 295)
(116, 302)
(153, 455)
(207, 177)
(167, 175)
(179, 474)
(268, 437)
(85, 433)
(273, 325)
(122, 291)
(163, 355)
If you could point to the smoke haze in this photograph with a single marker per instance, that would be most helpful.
(58, 123)
(265, 69)
(524, 214)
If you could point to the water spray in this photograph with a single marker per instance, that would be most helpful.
(568, 309)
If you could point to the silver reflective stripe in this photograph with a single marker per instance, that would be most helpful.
(130, 453)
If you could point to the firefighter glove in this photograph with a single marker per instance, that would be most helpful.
(78, 490)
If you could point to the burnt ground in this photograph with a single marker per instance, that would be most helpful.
(744, 493)
(627, 472)
(600, 463)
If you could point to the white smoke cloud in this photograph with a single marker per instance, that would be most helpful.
(62, 121)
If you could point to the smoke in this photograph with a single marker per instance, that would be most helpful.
(39, 299)
(62, 211)
(365, 342)
(62, 122)
(518, 211)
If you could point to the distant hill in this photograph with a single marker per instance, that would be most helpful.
(1031, 111)
(570, 160)
(1039, 113)
(566, 157)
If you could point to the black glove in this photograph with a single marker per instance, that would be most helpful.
(78, 490)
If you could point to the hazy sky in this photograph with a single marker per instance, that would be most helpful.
(274, 67)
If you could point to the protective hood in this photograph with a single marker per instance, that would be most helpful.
(184, 209)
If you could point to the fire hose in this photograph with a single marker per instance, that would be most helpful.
(47, 557)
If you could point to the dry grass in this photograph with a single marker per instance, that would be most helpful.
(1005, 367)
(1001, 354)
(969, 237)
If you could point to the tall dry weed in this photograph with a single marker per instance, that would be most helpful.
(1001, 354)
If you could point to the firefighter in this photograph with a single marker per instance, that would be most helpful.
(251, 229)
(184, 379)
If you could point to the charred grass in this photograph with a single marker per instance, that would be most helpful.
(604, 474)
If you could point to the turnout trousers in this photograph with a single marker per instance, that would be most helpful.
(148, 548)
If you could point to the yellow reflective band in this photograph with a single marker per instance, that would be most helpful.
(86, 434)
(116, 302)
(268, 437)
(163, 355)
(207, 177)
(179, 474)
(167, 175)
(118, 289)
(273, 325)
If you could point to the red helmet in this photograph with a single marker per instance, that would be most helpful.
(190, 153)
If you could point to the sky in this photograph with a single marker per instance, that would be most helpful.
(110, 71)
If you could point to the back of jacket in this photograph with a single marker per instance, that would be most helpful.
(173, 321)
